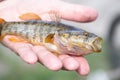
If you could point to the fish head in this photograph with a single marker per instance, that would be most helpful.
(78, 42)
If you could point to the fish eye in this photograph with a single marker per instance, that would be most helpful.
(86, 34)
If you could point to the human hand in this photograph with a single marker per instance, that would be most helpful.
(32, 54)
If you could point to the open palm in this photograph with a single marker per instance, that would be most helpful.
(32, 54)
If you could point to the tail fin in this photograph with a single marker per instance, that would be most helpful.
(0, 29)
(0, 32)
(1, 21)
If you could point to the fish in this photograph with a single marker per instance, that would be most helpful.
(57, 37)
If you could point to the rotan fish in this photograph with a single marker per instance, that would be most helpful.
(55, 36)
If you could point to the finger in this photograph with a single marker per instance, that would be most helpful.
(76, 12)
(84, 66)
(69, 63)
(22, 49)
(48, 59)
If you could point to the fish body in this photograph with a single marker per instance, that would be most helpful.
(56, 37)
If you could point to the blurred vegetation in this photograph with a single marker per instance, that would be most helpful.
(13, 68)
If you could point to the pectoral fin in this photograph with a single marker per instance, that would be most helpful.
(17, 39)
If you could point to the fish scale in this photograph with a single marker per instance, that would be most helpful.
(56, 37)
(35, 29)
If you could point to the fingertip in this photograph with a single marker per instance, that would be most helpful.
(84, 68)
(77, 13)
(83, 71)
(85, 14)
(90, 14)
(69, 63)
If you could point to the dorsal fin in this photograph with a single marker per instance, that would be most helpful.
(51, 15)
(47, 16)
(1, 21)
(54, 16)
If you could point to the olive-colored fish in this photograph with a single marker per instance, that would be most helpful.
(57, 37)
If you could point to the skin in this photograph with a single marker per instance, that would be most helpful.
(32, 54)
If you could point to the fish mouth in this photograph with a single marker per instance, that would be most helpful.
(97, 44)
